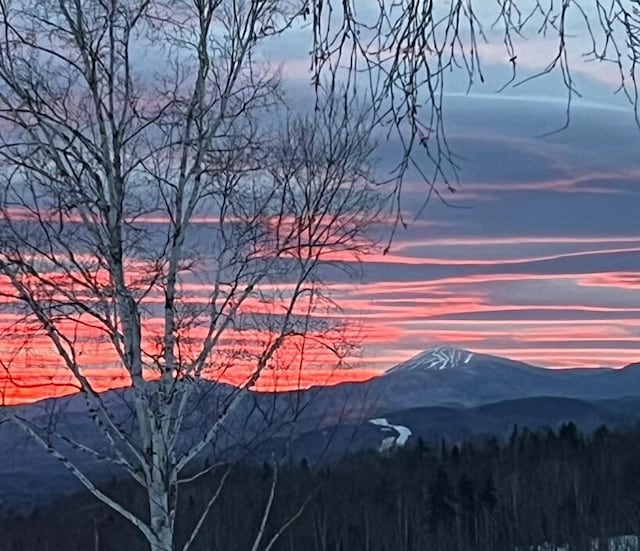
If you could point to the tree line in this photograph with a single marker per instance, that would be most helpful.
(546, 486)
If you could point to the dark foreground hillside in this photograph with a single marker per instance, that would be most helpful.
(538, 487)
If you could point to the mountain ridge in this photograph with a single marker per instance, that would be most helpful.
(441, 391)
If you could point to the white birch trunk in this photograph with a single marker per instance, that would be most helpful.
(161, 492)
(160, 517)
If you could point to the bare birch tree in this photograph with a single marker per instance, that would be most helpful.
(159, 203)
(142, 160)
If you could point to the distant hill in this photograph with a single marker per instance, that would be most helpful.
(445, 376)
(443, 392)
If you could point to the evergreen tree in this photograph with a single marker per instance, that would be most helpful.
(488, 495)
(468, 502)
(441, 503)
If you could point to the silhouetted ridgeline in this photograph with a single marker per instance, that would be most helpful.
(538, 487)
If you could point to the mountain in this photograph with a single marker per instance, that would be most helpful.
(457, 424)
(442, 392)
(454, 377)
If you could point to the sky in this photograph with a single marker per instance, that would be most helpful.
(537, 254)
(535, 257)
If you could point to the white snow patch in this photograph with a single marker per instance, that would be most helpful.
(615, 543)
(399, 439)
(438, 358)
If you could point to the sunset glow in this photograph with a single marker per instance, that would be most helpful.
(540, 264)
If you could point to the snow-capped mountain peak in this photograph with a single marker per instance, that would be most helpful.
(438, 358)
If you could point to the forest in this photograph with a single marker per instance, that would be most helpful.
(557, 486)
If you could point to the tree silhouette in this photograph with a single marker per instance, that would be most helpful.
(440, 501)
